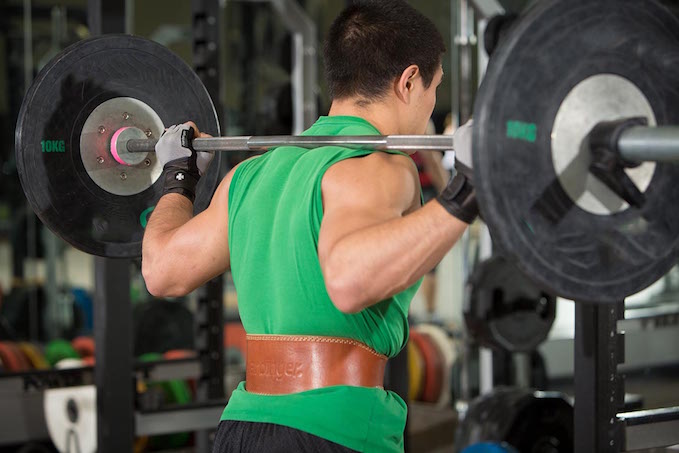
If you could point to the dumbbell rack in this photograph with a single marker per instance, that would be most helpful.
(600, 389)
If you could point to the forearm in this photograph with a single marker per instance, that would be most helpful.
(379, 261)
(180, 251)
(161, 248)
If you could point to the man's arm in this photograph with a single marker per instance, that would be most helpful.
(374, 242)
(181, 252)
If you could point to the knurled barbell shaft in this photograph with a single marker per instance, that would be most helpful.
(641, 143)
(264, 143)
(637, 144)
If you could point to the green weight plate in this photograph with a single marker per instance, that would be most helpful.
(64, 129)
(57, 350)
(564, 67)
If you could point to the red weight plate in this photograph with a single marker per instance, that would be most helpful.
(176, 354)
(89, 360)
(234, 335)
(12, 358)
(9, 361)
(433, 359)
(447, 348)
(84, 346)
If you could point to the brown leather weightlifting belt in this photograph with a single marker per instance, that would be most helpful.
(280, 364)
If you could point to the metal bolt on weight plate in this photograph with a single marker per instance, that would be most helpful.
(100, 160)
(126, 116)
(123, 176)
(102, 129)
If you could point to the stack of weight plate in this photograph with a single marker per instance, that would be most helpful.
(20, 357)
(432, 352)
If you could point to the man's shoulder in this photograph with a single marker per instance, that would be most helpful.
(386, 160)
(392, 163)
(392, 175)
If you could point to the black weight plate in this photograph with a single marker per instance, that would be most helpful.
(506, 309)
(555, 46)
(62, 97)
(160, 325)
(528, 421)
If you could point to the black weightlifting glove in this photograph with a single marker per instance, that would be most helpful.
(459, 196)
(182, 165)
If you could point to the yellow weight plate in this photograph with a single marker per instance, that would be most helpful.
(34, 356)
(415, 371)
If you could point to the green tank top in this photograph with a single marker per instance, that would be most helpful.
(275, 213)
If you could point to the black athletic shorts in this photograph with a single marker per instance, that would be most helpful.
(247, 437)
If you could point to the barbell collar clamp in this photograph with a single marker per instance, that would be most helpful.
(608, 165)
(606, 136)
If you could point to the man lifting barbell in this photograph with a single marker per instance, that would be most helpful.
(575, 150)
(325, 245)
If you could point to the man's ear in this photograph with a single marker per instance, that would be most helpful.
(406, 83)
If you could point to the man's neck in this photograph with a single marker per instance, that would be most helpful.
(379, 114)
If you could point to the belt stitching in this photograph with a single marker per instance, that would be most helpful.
(315, 339)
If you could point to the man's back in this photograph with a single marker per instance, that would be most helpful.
(330, 257)
(275, 215)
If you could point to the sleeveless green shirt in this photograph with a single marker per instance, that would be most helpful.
(275, 213)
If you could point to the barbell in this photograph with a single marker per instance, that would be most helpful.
(588, 216)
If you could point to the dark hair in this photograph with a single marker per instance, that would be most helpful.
(372, 42)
